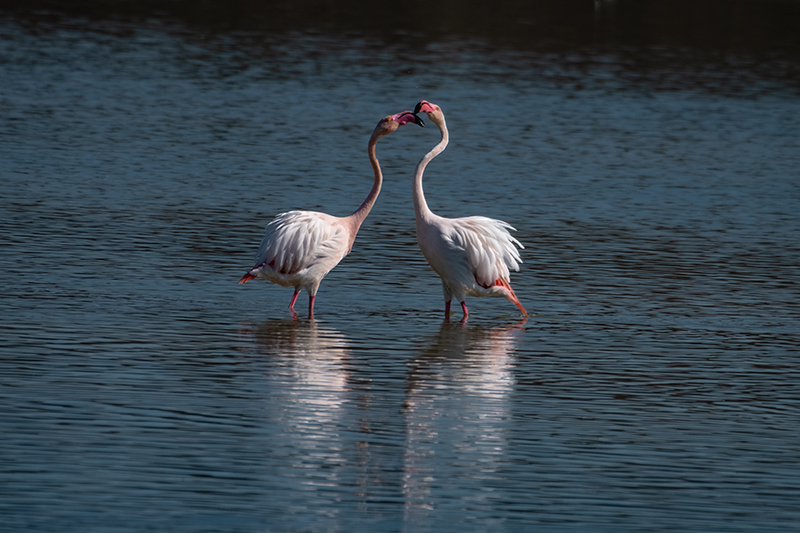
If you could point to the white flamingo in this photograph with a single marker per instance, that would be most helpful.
(301, 247)
(472, 255)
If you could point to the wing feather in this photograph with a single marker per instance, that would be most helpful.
(488, 247)
(295, 240)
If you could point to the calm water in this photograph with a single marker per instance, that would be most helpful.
(655, 387)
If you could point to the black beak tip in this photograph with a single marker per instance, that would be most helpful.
(418, 120)
(417, 107)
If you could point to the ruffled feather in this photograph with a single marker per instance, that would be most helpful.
(295, 240)
(488, 247)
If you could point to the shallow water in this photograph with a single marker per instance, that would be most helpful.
(655, 386)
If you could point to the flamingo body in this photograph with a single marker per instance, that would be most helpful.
(472, 255)
(300, 247)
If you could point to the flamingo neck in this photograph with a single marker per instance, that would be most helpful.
(360, 214)
(420, 205)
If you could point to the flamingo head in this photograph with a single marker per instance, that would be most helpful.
(406, 117)
(390, 123)
(433, 111)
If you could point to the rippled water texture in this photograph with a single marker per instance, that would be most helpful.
(655, 387)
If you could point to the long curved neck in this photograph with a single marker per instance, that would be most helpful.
(420, 206)
(360, 214)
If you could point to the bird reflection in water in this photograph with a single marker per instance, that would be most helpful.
(304, 398)
(457, 408)
(306, 356)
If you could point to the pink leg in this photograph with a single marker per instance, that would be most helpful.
(294, 299)
(311, 306)
(466, 313)
(447, 310)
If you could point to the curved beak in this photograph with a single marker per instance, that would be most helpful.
(418, 120)
(418, 107)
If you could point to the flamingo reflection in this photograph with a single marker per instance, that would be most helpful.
(309, 355)
(457, 407)
(304, 400)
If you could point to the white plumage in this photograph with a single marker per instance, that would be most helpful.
(300, 247)
(472, 255)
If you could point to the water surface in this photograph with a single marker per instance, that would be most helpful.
(655, 386)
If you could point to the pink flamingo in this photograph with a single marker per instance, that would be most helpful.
(301, 247)
(472, 255)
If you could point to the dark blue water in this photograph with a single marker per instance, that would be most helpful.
(656, 386)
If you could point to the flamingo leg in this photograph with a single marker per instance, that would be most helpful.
(294, 299)
(447, 309)
(464, 308)
(311, 306)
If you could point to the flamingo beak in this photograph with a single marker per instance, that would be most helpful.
(418, 120)
(418, 107)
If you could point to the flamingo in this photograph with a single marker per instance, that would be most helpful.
(301, 247)
(472, 255)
